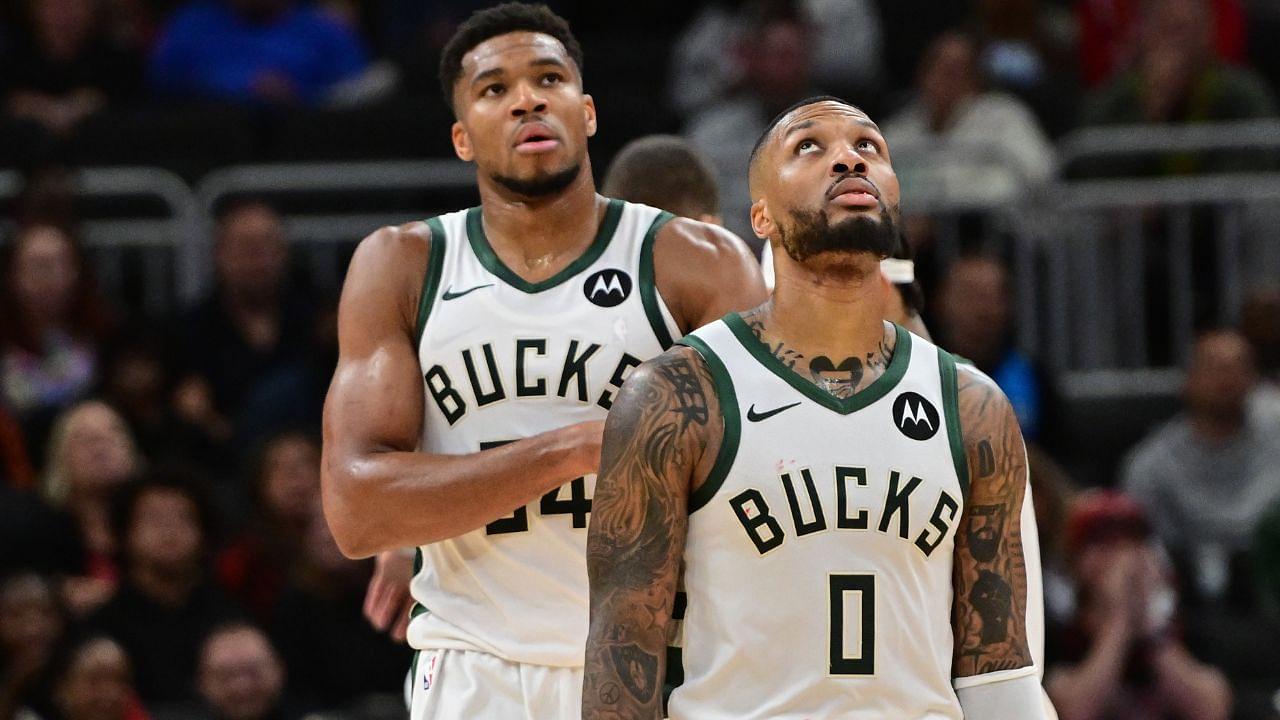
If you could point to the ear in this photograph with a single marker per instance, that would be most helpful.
(762, 221)
(462, 143)
(589, 108)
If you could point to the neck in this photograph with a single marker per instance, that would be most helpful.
(830, 307)
(826, 323)
(540, 231)
(168, 587)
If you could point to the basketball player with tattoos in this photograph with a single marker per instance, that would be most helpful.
(843, 497)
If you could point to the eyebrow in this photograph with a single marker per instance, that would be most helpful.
(797, 128)
(546, 61)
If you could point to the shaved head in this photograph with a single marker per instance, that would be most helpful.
(781, 125)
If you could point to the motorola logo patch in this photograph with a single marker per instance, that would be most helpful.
(916, 417)
(607, 288)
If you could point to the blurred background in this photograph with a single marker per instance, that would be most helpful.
(1091, 189)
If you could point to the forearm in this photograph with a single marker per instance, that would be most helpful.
(626, 657)
(1086, 690)
(418, 498)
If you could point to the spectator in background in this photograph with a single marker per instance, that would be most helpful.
(711, 60)
(666, 172)
(1124, 657)
(1176, 77)
(952, 109)
(1207, 475)
(272, 52)
(286, 489)
(165, 604)
(1109, 36)
(1027, 51)
(241, 676)
(51, 324)
(91, 455)
(777, 52)
(33, 624)
(334, 656)
(93, 681)
(254, 337)
(64, 65)
(136, 379)
(975, 322)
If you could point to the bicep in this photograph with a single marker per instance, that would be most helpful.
(640, 510)
(990, 572)
(375, 401)
(705, 272)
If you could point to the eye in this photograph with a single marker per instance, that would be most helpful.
(869, 145)
(552, 79)
(806, 146)
(493, 90)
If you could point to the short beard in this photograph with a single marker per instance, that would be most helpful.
(811, 233)
(541, 186)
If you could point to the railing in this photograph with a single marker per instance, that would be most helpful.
(1109, 274)
(115, 242)
(321, 230)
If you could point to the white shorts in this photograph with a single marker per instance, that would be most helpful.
(467, 685)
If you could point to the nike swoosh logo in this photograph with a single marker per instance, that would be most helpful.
(754, 416)
(450, 295)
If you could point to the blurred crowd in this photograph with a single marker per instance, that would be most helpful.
(161, 549)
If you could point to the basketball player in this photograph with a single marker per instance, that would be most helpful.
(850, 536)
(479, 353)
(667, 172)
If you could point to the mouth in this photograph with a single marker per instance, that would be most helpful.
(534, 138)
(854, 192)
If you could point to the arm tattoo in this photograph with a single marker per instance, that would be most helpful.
(989, 575)
(655, 438)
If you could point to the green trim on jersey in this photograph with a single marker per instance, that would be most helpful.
(413, 676)
(648, 287)
(417, 609)
(491, 262)
(732, 423)
(864, 397)
(951, 411)
(430, 279)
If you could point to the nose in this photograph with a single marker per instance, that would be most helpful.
(848, 161)
(528, 101)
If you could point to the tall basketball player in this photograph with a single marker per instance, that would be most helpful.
(850, 540)
(480, 351)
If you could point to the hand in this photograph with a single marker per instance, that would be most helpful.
(1120, 597)
(387, 601)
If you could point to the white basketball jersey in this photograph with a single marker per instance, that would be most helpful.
(818, 561)
(503, 359)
